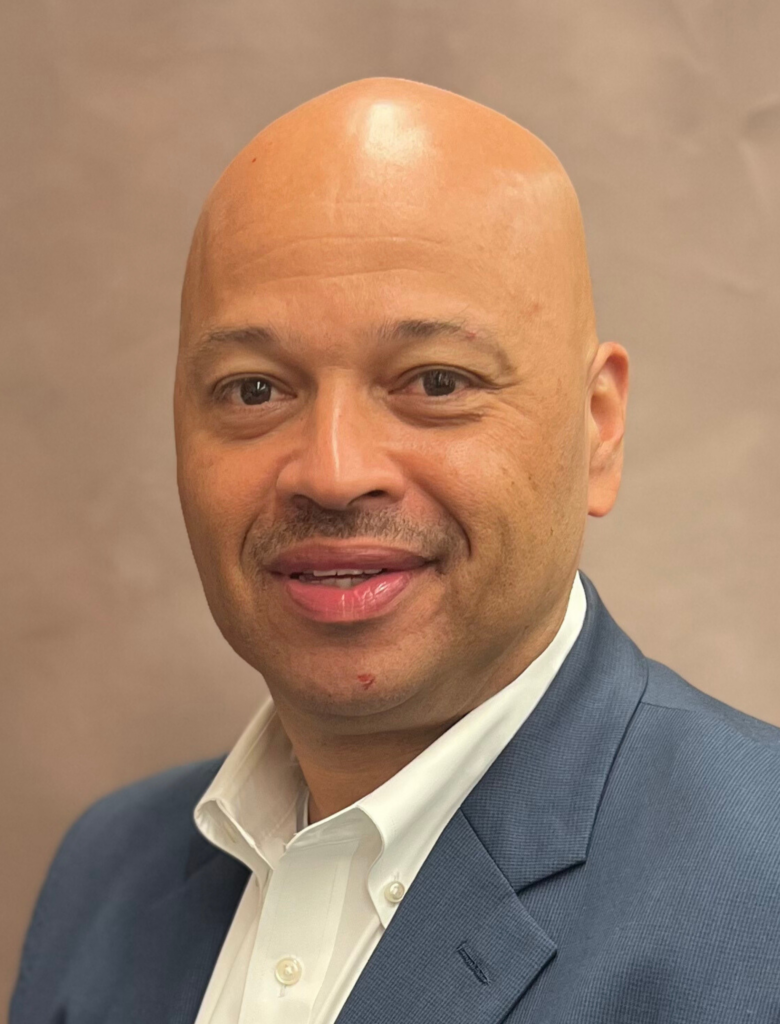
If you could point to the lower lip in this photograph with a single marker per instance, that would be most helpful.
(367, 600)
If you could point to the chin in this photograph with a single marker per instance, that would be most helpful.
(347, 700)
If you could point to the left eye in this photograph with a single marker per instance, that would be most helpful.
(441, 381)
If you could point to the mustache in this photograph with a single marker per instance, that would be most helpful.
(382, 526)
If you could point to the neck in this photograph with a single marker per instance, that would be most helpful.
(339, 770)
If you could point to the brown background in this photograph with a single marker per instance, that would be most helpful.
(118, 117)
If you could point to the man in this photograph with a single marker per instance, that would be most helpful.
(470, 797)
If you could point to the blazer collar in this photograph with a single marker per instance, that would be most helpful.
(535, 807)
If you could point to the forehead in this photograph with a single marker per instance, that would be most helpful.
(386, 218)
(367, 260)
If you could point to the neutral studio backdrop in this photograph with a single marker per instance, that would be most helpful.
(118, 115)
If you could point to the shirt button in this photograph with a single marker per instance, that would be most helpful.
(394, 892)
(289, 970)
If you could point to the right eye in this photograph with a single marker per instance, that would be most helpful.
(245, 391)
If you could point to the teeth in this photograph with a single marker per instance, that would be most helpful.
(344, 579)
(343, 583)
(343, 572)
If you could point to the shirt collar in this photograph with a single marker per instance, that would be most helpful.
(252, 806)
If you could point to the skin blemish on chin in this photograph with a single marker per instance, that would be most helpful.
(366, 680)
(254, 159)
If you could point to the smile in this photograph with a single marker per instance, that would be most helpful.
(351, 596)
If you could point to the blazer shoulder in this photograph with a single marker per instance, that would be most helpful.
(137, 822)
(144, 825)
(698, 752)
(666, 689)
(168, 791)
(694, 792)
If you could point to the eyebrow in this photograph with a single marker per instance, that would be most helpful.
(389, 332)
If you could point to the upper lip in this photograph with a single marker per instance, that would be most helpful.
(344, 556)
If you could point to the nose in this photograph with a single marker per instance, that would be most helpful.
(343, 452)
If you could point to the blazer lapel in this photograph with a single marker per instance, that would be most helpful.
(178, 940)
(461, 945)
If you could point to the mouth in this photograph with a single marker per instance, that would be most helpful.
(344, 581)
(350, 596)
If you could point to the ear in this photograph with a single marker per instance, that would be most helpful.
(607, 399)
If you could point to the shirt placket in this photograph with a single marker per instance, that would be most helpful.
(298, 926)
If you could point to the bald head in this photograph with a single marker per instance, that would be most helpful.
(381, 163)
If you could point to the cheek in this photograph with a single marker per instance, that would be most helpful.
(516, 489)
(221, 491)
(498, 470)
(487, 484)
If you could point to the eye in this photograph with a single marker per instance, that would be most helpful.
(440, 381)
(248, 391)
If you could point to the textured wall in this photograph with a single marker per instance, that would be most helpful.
(117, 118)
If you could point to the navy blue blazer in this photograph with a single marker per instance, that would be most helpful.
(618, 864)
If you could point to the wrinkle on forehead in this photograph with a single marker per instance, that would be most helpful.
(389, 159)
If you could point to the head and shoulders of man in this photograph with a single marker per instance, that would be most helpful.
(382, 237)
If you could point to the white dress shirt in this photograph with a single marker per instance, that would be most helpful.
(320, 896)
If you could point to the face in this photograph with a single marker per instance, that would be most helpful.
(365, 370)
